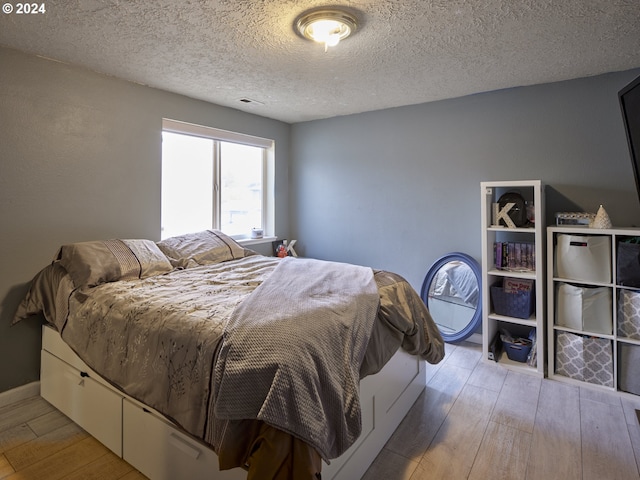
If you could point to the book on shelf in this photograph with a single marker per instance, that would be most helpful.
(514, 256)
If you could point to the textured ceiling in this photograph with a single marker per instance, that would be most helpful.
(405, 51)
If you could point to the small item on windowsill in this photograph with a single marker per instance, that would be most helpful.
(284, 248)
(257, 233)
(290, 251)
(280, 248)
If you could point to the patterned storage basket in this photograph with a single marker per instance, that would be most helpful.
(518, 305)
(588, 359)
(629, 314)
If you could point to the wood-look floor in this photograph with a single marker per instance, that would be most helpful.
(37, 442)
(479, 421)
(474, 421)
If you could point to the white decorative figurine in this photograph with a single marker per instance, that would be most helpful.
(602, 219)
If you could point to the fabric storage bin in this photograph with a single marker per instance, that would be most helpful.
(629, 368)
(518, 347)
(518, 352)
(628, 263)
(519, 304)
(588, 309)
(588, 359)
(584, 258)
(629, 314)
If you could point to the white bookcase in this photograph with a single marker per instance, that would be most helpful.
(492, 322)
(603, 327)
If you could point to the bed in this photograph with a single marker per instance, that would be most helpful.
(197, 356)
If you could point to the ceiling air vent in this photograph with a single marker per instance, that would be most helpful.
(250, 101)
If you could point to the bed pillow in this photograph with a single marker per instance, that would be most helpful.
(201, 248)
(47, 295)
(101, 261)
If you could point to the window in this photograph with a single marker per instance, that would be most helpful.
(215, 179)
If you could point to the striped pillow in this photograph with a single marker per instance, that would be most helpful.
(201, 248)
(101, 261)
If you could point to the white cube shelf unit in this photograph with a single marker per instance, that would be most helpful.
(614, 360)
(492, 323)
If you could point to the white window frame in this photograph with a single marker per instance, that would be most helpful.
(268, 171)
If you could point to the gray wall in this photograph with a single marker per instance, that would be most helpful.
(398, 188)
(394, 189)
(80, 160)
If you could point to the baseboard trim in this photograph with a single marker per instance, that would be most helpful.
(19, 393)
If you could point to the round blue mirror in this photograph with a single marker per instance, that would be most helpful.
(451, 292)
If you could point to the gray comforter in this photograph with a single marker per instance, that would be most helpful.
(158, 340)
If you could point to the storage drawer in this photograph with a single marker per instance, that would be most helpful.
(398, 372)
(629, 368)
(584, 258)
(94, 407)
(161, 452)
(53, 343)
(385, 398)
(368, 405)
(584, 358)
(586, 309)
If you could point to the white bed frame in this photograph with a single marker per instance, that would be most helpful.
(161, 451)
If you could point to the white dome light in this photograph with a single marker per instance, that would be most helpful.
(326, 26)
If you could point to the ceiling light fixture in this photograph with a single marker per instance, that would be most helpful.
(327, 26)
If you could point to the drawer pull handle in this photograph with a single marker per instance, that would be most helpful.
(73, 377)
(184, 446)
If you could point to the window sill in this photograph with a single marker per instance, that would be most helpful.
(256, 241)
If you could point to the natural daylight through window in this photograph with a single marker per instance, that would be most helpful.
(215, 179)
